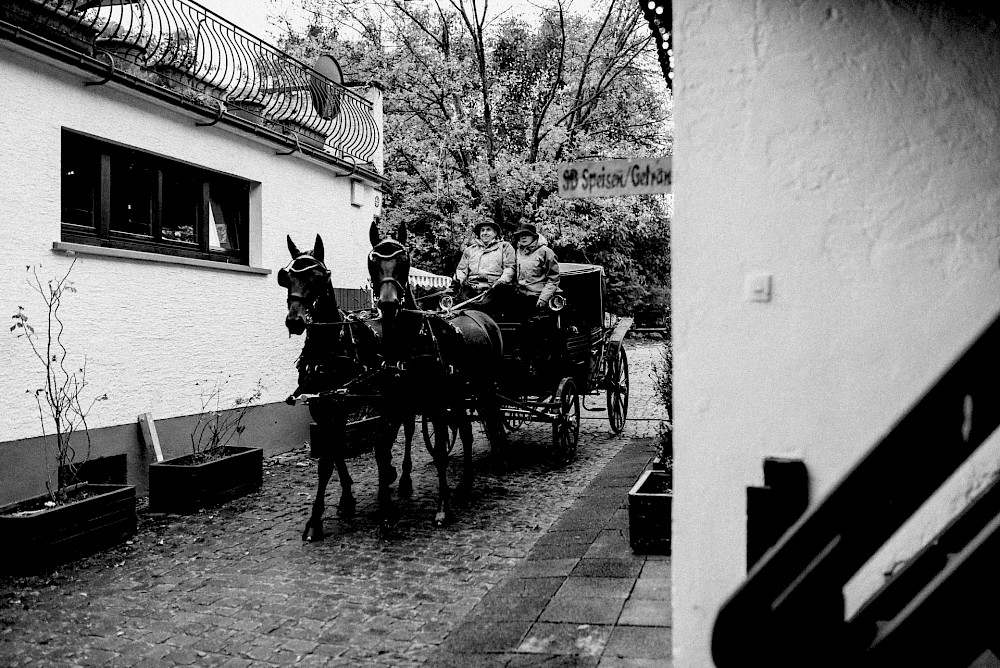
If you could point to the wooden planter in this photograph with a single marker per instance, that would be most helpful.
(36, 541)
(650, 504)
(180, 487)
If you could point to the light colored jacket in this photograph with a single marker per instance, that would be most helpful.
(537, 270)
(482, 264)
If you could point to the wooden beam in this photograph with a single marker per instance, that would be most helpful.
(149, 437)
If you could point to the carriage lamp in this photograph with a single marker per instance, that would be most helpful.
(557, 303)
(446, 302)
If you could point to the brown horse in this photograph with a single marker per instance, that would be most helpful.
(338, 352)
(435, 364)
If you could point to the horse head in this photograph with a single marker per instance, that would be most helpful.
(307, 280)
(389, 268)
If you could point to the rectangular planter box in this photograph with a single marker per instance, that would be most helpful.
(54, 536)
(183, 488)
(650, 505)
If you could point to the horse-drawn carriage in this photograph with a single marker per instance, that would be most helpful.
(450, 366)
(552, 365)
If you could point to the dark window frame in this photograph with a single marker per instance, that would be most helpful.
(97, 203)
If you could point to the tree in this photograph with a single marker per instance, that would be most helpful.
(479, 110)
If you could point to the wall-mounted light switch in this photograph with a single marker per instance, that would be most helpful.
(757, 287)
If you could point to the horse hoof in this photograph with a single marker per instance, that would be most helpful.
(312, 534)
(406, 487)
(387, 527)
(346, 508)
(442, 518)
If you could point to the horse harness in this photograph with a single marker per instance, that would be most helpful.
(398, 250)
(317, 357)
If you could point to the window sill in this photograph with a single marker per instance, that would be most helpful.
(84, 249)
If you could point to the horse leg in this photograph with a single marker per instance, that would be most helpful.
(405, 483)
(495, 432)
(347, 503)
(468, 474)
(314, 527)
(386, 475)
(329, 432)
(440, 454)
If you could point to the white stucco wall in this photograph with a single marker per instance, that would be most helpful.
(848, 150)
(151, 330)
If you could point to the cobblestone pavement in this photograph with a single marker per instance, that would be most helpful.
(235, 586)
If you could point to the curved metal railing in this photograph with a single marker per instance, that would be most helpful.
(179, 44)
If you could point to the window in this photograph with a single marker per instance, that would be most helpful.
(119, 197)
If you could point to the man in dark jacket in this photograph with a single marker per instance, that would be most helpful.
(537, 271)
(537, 282)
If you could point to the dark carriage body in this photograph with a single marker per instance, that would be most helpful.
(543, 380)
(585, 335)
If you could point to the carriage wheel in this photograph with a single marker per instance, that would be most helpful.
(616, 382)
(513, 422)
(566, 428)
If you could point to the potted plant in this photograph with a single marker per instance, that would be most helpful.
(218, 468)
(74, 518)
(650, 501)
(650, 507)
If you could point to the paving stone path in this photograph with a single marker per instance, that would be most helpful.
(235, 586)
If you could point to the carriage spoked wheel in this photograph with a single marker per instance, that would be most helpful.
(616, 382)
(514, 421)
(566, 427)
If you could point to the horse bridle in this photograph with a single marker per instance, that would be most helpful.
(375, 256)
(306, 263)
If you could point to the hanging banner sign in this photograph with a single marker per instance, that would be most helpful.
(606, 178)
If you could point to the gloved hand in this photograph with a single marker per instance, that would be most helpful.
(540, 304)
(456, 286)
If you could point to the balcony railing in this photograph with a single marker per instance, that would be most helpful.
(182, 46)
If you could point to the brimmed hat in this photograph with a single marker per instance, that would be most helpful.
(484, 223)
(526, 228)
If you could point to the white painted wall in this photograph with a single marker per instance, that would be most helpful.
(849, 150)
(151, 330)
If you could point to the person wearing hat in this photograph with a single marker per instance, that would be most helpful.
(537, 282)
(486, 265)
(537, 270)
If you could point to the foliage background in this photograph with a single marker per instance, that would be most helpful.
(481, 109)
